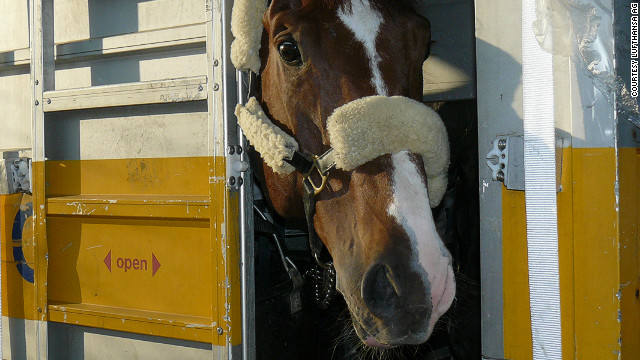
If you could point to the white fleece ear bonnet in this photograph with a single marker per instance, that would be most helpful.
(246, 27)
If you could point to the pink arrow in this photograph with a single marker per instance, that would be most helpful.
(156, 264)
(107, 261)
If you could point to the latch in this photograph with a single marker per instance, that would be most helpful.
(235, 167)
(506, 161)
(18, 175)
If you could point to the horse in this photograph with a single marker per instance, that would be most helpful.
(375, 220)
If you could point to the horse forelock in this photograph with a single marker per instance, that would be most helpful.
(383, 6)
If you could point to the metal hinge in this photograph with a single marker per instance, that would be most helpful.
(236, 166)
(506, 161)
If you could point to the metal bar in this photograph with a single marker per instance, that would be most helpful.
(153, 40)
(148, 92)
(42, 79)
(140, 41)
(540, 191)
(15, 57)
(247, 240)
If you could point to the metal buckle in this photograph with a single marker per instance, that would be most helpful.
(323, 184)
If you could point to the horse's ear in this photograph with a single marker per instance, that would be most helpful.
(276, 6)
(428, 51)
(422, 8)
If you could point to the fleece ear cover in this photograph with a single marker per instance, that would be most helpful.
(359, 132)
(246, 26)
(367, 128)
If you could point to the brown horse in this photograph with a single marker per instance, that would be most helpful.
(317, 55)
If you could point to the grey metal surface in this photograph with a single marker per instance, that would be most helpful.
(449, 72)
(42, 79)
(73, 342)
(247, 242)
(498, 55)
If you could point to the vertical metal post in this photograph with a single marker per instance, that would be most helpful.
(247, 240)
(42, 79)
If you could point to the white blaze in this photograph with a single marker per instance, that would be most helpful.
(365, 24)
(410, 207)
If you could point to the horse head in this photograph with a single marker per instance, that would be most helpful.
(375, 218)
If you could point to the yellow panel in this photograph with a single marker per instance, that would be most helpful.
(133, 264)
(597, 257)
(143, 322)
(226, 255)
(233, 293)
(18, 300)
(40, 238)
(515, 278)
(177, 211)
(176, 176)
(628, 160)
(145, 206)
(517, 320)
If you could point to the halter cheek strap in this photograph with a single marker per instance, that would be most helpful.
(319, 166)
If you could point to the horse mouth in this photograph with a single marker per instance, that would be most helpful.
(365, 335)
(367, 338)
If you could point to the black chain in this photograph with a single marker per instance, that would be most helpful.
(323, 282)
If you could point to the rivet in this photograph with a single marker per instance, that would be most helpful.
(502, 144)
(215, 62)
(231, 149)
(37, 82)
(232, 180)
(240, 181)
(48, 101)
(239, 149)
(37, 103)
(200, 88)
(39, 309)
(216, 87)
(220, 331)
(500, 176)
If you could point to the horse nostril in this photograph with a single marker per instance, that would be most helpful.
(380, 291)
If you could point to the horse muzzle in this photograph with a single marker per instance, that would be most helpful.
(401, 305)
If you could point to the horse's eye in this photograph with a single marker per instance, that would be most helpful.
(290, 53)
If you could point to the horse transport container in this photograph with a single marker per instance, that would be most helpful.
(122, 198)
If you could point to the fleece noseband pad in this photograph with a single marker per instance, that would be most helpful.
(367, 128)
(359, 132)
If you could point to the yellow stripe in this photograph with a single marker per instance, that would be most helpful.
(166, 176)
(226, 255)
(18, 295)
(597, 260)
(629, 173)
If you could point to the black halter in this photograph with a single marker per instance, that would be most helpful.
(315, 170)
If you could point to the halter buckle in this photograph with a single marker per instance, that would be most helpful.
(317, 188)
